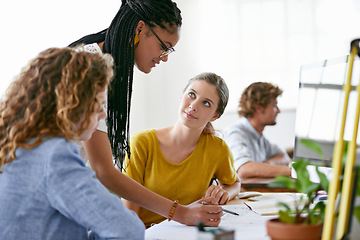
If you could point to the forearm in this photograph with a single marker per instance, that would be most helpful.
(137, 194)
(255, 169)
(99, 154)
(132, 206)
(279, 159)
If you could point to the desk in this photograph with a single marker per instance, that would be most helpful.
(248, 226)
(259, 185)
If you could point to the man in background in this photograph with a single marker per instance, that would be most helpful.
(254, 155)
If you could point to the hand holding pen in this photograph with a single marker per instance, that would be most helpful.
(224, 210)
(209, 215)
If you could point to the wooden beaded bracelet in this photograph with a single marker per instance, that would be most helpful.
(176, 202)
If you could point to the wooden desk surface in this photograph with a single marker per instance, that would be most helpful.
(260, 185)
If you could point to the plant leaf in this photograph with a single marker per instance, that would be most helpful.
(357, 213)
(346, 146)
(318, 213)
(312, 188)
(283, 182)
(286, 206)
(303, 178)
(324, 182)
(286, 217)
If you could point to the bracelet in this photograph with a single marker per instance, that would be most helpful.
(176, 202)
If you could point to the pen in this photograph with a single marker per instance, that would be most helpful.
(247, 206)
(225, 210)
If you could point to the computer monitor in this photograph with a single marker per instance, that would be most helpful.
(320, 107)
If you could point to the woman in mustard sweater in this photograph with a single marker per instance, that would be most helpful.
(180, 161)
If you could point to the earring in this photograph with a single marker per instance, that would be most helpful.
(136, 39)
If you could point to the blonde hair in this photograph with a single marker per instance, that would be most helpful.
(56, 90)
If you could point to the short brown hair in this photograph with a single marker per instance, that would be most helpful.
(258, 93)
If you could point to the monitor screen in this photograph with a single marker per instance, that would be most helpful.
(320, 107)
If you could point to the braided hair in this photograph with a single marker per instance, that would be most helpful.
(116, 40)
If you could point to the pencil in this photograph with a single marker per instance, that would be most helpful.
(224, 210)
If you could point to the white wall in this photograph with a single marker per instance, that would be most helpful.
(241, 40)
(227, 37)
(29, 27)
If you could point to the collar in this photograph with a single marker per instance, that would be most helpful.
(250, 129)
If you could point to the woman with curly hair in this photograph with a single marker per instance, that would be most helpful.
(46, 190)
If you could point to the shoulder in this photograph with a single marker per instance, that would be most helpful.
(215, 148)
(143, 136)
(214, 140)
(239, 129)
(93, 48)
(239, 126)
(62, 155)
(48, 147)
(60, 146)
(58, 143)
(55, 150)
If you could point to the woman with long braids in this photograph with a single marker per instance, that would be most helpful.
(143, 33)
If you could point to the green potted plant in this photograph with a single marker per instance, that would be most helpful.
(306, 217)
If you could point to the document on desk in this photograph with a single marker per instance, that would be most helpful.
(267, 204)
(247, 225)
(245, 216)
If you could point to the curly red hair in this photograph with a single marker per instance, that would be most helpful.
(56, 90)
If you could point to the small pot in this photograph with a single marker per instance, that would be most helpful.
(278, 230)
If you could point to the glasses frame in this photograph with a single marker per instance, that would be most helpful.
(166, 50)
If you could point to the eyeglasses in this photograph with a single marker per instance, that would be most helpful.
(166, 51)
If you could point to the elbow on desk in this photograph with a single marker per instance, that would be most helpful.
(255, 169)
(243, 172)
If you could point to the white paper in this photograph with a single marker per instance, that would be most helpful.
(248, 226)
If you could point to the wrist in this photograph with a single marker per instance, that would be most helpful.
(174, 206)
(179, 214)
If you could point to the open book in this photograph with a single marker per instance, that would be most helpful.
(267, 204)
